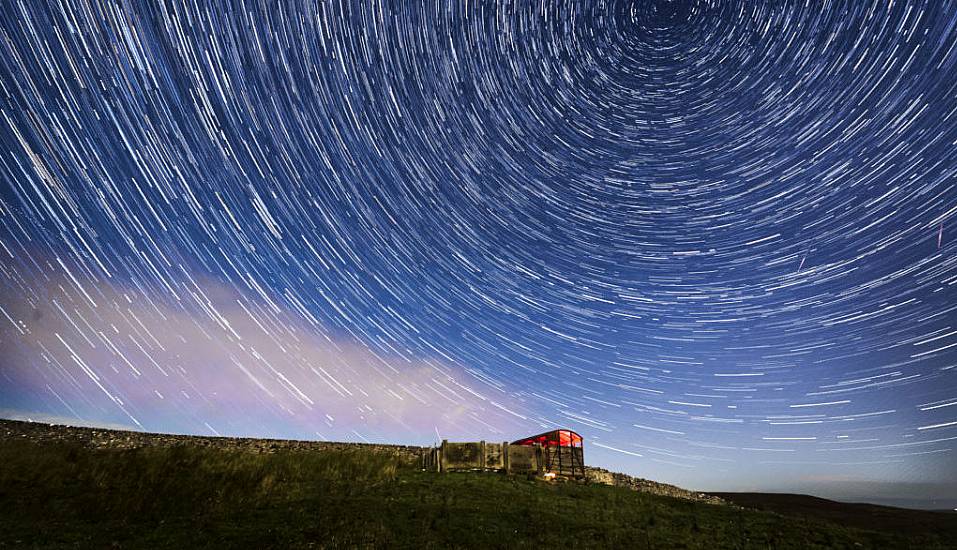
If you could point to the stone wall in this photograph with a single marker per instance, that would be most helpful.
(119, 439)
(604, 477)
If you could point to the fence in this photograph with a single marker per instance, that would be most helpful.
(503, 457)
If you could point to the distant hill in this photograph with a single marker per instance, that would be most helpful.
(860, 515)
(86, 488)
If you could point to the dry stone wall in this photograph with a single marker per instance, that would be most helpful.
(119, 439)
(600, 475)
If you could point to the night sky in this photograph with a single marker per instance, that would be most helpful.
(716, 238)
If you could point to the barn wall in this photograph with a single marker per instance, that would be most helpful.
(462, 456)
(525, 459)
(482, 455)
(495, 456)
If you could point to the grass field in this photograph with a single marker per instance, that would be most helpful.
(63, 495)
(865, 516)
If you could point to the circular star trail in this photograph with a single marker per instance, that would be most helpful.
(714, 237)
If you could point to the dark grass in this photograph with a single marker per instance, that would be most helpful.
(60, 495)
(861, 515)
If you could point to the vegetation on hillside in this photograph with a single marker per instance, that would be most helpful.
(58, 495)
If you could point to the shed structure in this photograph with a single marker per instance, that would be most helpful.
(563, 452)
(551, 454)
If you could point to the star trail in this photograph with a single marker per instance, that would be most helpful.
(716, 238)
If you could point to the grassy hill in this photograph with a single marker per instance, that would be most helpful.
(67, 494)
(861, 515)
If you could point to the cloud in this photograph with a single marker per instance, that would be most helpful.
(212, 361)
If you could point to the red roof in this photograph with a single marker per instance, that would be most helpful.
(554, 438)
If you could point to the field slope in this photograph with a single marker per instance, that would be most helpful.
(63, 494)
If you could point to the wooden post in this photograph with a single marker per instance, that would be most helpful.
(541, 460)
(483, 460)
(582, 461)
(442, 460)
(505, 463)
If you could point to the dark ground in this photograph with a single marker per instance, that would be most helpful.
(860, 515)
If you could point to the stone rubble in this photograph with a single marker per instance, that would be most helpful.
(605, 477)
